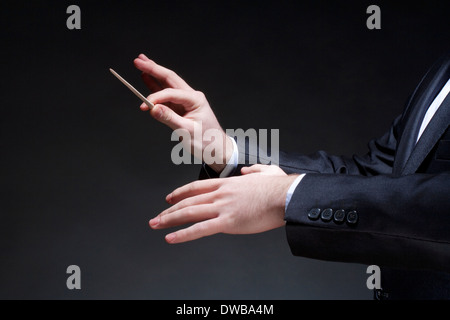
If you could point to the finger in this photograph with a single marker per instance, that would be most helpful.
(193, 189)
(254, 169)
(196, 231)
(205, 198)
(189, 99)
(185, 215)
(151, 83)
(143, 57)
(263, 169)
(169, 117)
(165, 76)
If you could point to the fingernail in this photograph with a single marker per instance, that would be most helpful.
(170, 237)
(155, 221)
(169, 198)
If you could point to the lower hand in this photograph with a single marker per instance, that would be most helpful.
(251, 203)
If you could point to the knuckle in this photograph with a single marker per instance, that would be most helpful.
(193, 186)
(201, 228)
(225, 189)
(200, 95)
(163, 114)
(229, 221)
(170, 75)
(188, 212)
(163, 221)
(169, 91)
(167, 116)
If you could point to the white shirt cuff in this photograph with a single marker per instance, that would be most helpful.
(232, 162)
(292, 189)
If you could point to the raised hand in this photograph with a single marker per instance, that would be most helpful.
(179, 106)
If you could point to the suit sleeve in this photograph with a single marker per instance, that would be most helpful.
(400, 221)
(378, 160)
(395, 221)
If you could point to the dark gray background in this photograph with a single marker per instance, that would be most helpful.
(83, 169)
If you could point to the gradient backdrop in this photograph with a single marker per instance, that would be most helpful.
(83, 169)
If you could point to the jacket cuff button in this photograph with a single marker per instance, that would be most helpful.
(352, 217)
(314, 213)
(339, 216)
(327, 214)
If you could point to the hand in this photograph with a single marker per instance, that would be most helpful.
(251, 203)
(179, 106)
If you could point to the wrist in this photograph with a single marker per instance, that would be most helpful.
(227, 152)
(284, 183)
(292, 188)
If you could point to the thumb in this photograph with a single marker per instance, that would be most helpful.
(254, 169)
(168, 117)
(264, 169)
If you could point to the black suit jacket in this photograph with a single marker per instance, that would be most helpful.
(398, 197)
